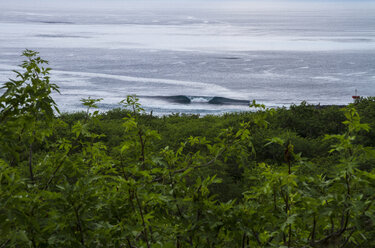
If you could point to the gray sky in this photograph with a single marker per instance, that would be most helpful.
(190, 3)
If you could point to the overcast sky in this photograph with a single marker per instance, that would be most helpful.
(108, 5)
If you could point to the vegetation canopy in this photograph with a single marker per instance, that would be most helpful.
(298, 177)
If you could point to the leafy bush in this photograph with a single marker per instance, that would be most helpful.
(125, 179)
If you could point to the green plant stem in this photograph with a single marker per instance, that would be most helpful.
(143, 220)
(79, 225)
(30, 162)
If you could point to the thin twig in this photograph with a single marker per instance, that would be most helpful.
(143, 220)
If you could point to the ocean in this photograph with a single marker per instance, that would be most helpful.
(195, 57)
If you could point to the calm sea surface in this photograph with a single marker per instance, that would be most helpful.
(194, 58)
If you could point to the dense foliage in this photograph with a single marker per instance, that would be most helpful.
(297, 177)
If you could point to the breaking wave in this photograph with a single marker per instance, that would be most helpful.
(182, 99)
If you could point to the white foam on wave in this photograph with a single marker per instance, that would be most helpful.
(360, 73)
(327, 78)
(66, 81)
(179, 63)
(200, 99)
(85, 76)
(200, 85)
(22, 13)
(71, 82)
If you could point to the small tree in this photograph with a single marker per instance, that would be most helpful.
(26, 109)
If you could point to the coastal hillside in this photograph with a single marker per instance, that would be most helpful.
(301, 176)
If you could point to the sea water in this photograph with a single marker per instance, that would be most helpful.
(202, 57)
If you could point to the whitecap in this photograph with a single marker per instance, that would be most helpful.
(327, 78)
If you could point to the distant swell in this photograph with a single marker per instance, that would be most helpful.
(228, 101)
(55, 22)
(176, 99)
(182, 99)
(59, 36)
